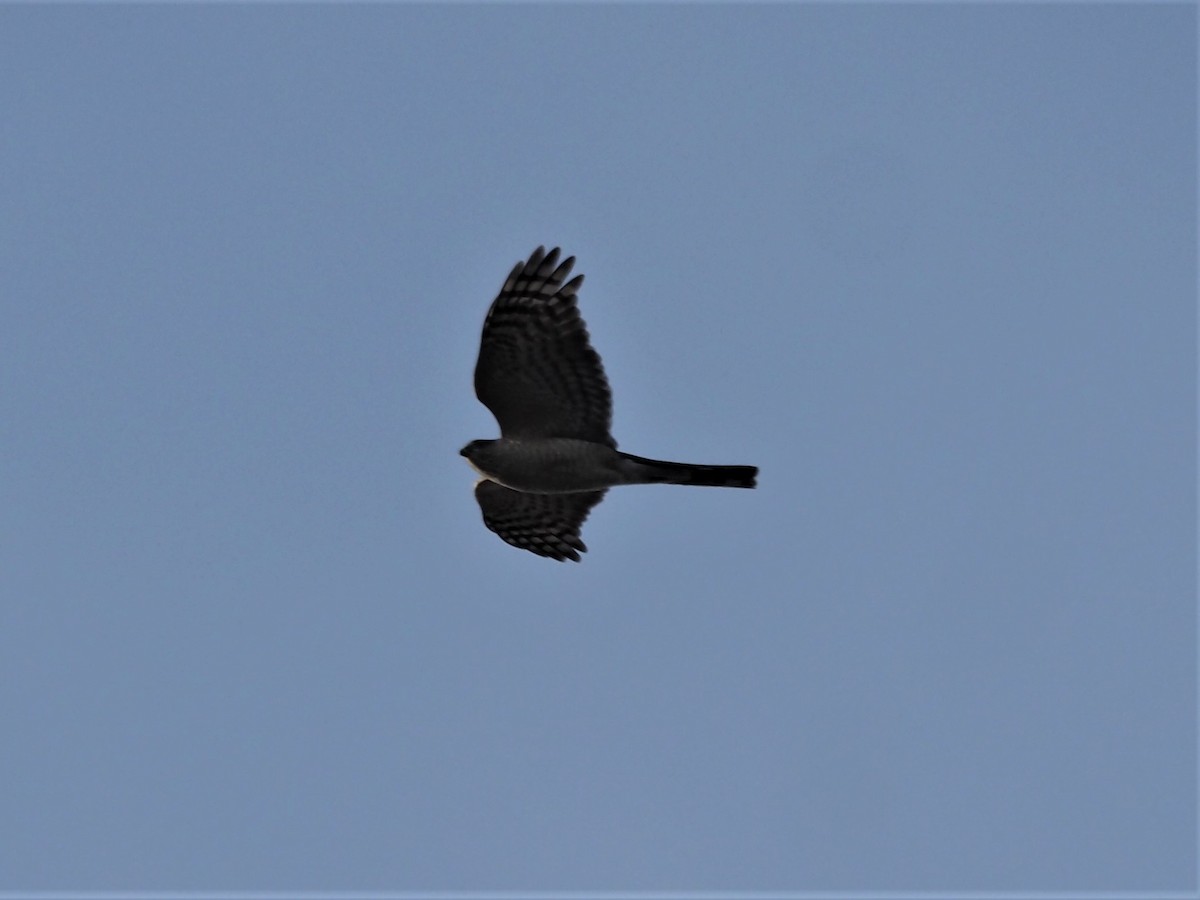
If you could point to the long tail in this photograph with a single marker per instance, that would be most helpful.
(640, 470)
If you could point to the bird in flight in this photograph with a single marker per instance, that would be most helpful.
(555, 458)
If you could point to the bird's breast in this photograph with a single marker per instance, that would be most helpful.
(549, 465)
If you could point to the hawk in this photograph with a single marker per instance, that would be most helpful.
(555, 458)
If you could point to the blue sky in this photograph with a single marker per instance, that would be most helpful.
(931, 267)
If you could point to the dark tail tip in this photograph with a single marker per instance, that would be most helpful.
(722, 476)
(743, 476)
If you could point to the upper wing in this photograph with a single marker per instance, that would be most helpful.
(545, 524)
(537, 372)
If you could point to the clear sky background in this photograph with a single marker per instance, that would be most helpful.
(933, 268)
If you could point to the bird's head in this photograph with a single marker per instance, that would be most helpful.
(477, 454)
(473, 449)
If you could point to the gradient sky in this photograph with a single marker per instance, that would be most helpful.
(931, 267)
